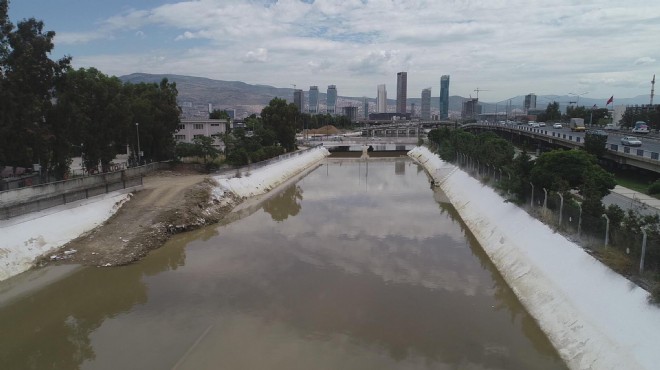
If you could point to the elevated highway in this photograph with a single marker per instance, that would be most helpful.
(646, 157)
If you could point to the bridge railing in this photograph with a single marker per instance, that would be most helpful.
(577, 139)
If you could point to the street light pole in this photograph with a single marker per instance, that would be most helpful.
(137, 129)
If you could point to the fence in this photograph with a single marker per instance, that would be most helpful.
(25, 200)
(564, 214)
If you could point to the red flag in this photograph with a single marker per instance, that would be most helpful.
(610, 100)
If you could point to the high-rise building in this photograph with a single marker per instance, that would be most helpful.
(530, 101)
(350, 112)
(313, 99)
(365, 108)
(401, 91)
(444, 97)
(381, 100)
(331, 98)
(471, 108)
(298, 98)
(426, 104)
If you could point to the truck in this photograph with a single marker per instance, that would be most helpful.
(577, 124)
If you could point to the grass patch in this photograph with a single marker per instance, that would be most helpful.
(617, 260)
(630, 183)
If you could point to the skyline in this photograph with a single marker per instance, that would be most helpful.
(503, 48)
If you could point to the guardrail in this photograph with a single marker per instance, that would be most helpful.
(577, 140)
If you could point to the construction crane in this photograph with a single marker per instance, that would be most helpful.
(477, 90)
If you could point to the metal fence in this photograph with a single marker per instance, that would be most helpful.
(633, 251)
(245, 170)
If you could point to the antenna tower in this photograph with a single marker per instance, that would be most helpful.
(652, 89)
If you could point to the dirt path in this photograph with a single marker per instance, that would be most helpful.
(166, 204)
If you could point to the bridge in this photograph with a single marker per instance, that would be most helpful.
(648, 159)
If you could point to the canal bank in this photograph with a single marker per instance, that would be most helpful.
(118, 228)
(594, 317)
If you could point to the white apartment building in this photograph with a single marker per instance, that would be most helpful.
(191, 128)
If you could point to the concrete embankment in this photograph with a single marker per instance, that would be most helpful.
(595, 318)
(266, 178)
(24, 239)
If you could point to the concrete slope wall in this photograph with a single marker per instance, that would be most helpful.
(594, 317)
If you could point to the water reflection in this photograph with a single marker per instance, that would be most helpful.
(376, 277)
(51, 328)
(285, 204)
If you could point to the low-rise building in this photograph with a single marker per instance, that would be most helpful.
(191, 128)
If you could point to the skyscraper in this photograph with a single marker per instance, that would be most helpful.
(381, 100)
(331, 98)
(365, 107)
(444, 97)
(313, 99)
(426, 104)
(530, 101)
(298, 98)
(401, 91)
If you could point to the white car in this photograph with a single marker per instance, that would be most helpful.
(541, 124)
(557, 125)
(630, 141)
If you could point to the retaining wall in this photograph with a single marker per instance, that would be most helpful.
(595, 318)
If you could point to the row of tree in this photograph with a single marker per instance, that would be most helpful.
(557, 170)
(50, 112)
(597, 116)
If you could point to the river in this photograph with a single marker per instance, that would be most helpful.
(358, 265)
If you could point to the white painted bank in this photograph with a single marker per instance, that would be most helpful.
(594, 317)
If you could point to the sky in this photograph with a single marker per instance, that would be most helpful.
(504, 48)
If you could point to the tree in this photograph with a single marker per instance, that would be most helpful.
(219, 114)
(551, 114)
(595, 143)
(26, 84)
(205, 147)
(562, 170)
(281, 118)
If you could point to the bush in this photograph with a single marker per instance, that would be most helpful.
(654, 189)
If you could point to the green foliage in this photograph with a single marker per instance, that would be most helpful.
(551, 114)
(313, 121)
(654, 189)
(219, 114)
(281, 118)
(94, 114)
(204, 146)
(595, 143)
(487, 147)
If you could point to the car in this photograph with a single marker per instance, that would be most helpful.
(630, 141)
(611, 127)
(557, 125)
(597, 132)
(541, 124)
(641, 129)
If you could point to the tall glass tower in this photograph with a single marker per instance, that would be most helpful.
(401, 91)
(426, 104)
(381, 100)
(313, 99)
(444, 97)
(331, 98)
(298, 98)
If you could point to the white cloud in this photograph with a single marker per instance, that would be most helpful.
(644, 61)
(507, 46)
(259, 55)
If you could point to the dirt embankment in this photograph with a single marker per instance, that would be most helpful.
(169, 202)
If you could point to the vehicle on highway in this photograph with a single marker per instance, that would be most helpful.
(557, 125)
(541, 124)
(640, 128)
(612, 127)
(630, 141)
(597, 132)
(577, 124)
(533, 123)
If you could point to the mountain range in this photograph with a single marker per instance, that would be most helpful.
(196, 93)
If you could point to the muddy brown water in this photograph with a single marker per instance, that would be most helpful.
(355, 266)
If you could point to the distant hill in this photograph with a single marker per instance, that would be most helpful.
(196, 93)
